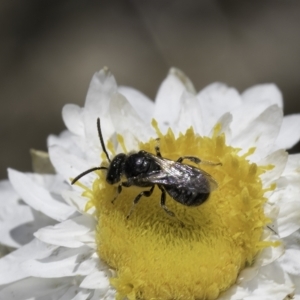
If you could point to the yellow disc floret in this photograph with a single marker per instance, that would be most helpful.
(200, 252)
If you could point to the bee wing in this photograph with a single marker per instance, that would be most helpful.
(176, 174)
(212, 182)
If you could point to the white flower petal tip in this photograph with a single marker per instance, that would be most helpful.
(63, 262)
(126, 121)
(189, 114)
(224, 122)
(12, 217)
(102, 85)
(269, 254)
(292, 168)
(8, 193)
(71, 114)
(290, 260)
(18, 221)
(11, 265)
(69, 165)
(261, 133)
(38, 197)
(264, 258)
(268, 93)
(184, 79)
(143, 106)
(278, 159)
(215, 100)
(72, 233)
(96, 280)
(270, 283)
(289, 218)
(74, 199)
(167, 103)
(289, 133)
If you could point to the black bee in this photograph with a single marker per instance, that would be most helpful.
(186, 184)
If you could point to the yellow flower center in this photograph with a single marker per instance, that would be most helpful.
(200, 252)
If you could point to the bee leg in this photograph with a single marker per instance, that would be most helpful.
(197, 160)
(119, 189)
(191, 158)
(210, 163)
(157, 148)
(138, 197)
(163, 202)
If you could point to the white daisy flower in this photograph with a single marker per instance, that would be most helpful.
(242, 243)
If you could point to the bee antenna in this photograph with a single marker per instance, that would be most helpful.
(101, 139)
(86, 172)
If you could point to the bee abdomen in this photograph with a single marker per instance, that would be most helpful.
(186, 196)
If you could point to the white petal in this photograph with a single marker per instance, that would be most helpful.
(261, 133)
(96, 280)
(288, 189)
(268, 255)
(225, 122)
(101, 89)
(126, 120)
(141, 103)
(69, 233)
(245, 114)
(71, 114)
(87, 148)
(215, 100)
(74, 199)
(293, 165)
(35, 288)
(289, 133)
(69, 165)
(12, 217)
(263, 92)
(189, 114)
(289, 218)
(74, 293)
(290, 260)
(7, 193)
(24, 233)
(18, 221)
(271, 283)
(265, 257)
(271, 212)
(296, 281)
(67, 141)
(167, 103)
(235, 292)
(102, 86)
(278, 159)
(63, 262)
(248, 274)
(110, 294)
(38, 197)
(11, 264)
(54, 183)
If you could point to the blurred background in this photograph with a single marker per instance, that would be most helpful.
(50, 50)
